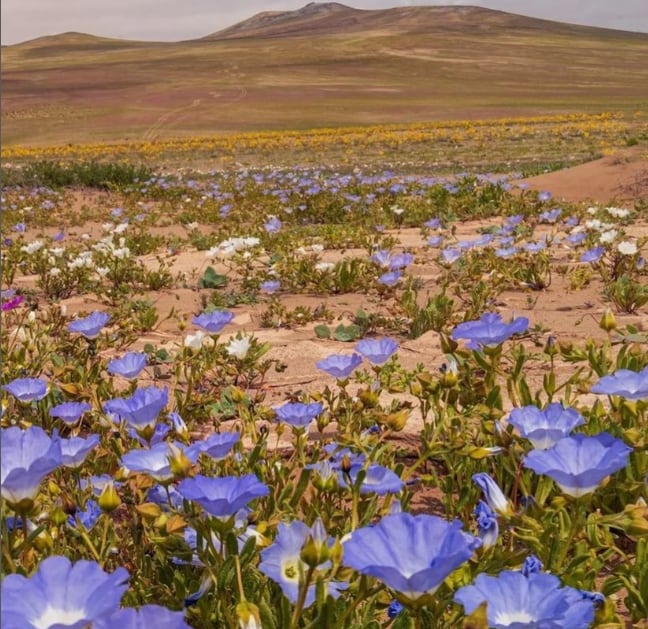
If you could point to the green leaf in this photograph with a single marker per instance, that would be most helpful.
(347, 333)
(211, 279)
(322, 331)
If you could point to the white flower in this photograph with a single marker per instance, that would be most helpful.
(397, 210)
(55, 271)
(627, 248)
(121, 228)
(198, 340)
(57, 251)
(122, 253)
(191, 226)
(32, 247)
(608, 236)
(317, 248)
(102, 271)
(617, 212)
(592, 210)
(324, 266)
(239, 347)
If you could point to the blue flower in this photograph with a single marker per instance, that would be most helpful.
(487, 526)
(91, 325)
(494, 496)
(579, 463)
(450, 255)
(61, 594)
(400, 261)
(543, 428)
(70, 412)
(225, 495)
(217, 446)
(339, 365)
(26, 457)
(214, 321)
(145, 617)
(514, 601)
(411, 554)
(141, 409)
(378, 480)
(381, 258)
(592, 255)
(282, 561)
(298, 414)
(270, 286)
(27, 389)
(128, 366)
(88, 517)
(156, 460)
(76, 449)
(377, 350)
(490, 329)
(531, 565)
(394, 609)
(632, 385)
(390, 278)
(272, 225)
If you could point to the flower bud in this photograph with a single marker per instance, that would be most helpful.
(109, 499)
(179, 464)
(608, 321)
(315, 550)
(248, 616)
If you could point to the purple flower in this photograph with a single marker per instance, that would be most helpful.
(411, 554)
(592, 255)
(514, 601)
(26, 457)
(490, 329)
(282, 561)
(214, 321)
(339, 365)
(550, 216)
(544, 195)
(435, 241)
(70, 412)
(381, 258)
(299, 414)
(632, 385)
(579, 463)
(225, 495)
(129, 366)
(61, 595)
(543, 428)
(12, 303)
(141, 409)
(145, 617)
(20, 228)
(27, 389)
(91, 325)
(377, 351)
(506, 253)
(433, 223)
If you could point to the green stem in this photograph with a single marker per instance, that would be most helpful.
(303, 591)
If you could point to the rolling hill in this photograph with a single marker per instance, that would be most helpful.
(323, 65)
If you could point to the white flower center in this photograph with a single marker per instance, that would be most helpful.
(54, 616)
(508, 618)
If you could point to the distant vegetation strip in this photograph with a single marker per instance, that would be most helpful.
(393, 136)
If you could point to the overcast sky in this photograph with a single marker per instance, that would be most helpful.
(172, 20)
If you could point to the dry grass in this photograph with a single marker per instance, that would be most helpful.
(412, 65)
